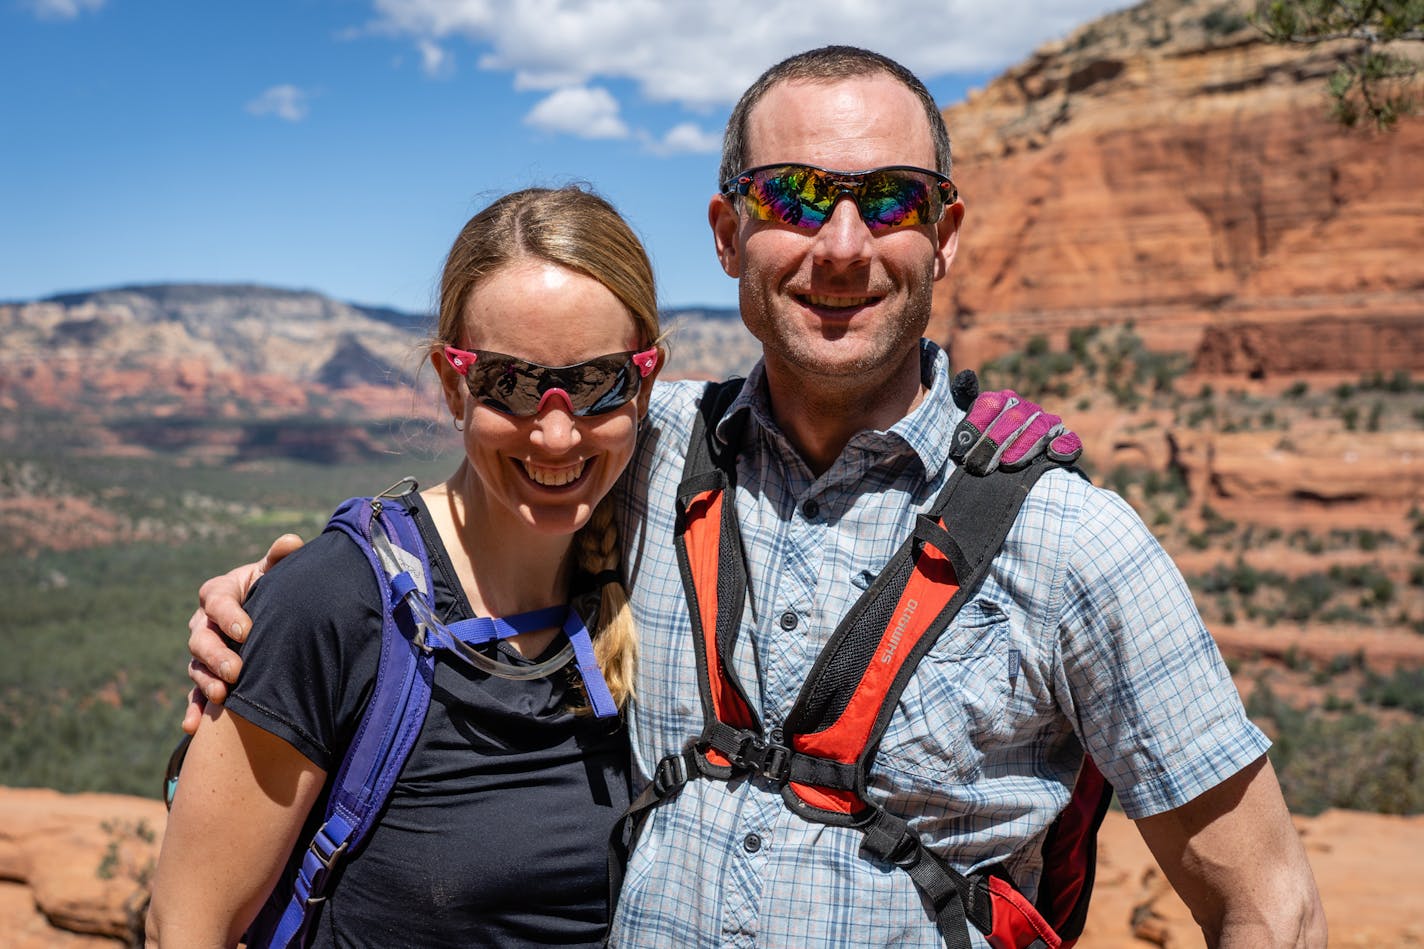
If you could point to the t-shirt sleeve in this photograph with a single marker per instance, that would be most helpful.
(1153, 701)
(312, 655)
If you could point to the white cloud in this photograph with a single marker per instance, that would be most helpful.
(588, 112)
(435, 61)
(63, 9)
(688, 138)
(285, 102)
(703, 55)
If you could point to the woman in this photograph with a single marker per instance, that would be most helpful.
(496, 832)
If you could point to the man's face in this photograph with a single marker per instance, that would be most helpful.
(840, 304)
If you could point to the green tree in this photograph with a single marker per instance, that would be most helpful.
(1374, 82)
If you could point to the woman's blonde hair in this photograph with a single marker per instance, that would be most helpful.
(576, 229)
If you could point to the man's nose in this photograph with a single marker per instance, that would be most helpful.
(843, 241)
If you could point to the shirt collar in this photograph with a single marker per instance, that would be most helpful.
(925, 432)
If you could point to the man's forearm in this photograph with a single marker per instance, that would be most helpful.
(1235, 859)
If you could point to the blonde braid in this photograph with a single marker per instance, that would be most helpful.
(615, 642)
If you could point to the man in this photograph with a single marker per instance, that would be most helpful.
(1082, 637)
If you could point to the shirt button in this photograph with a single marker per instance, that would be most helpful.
(811, 508)
(751, 843)
(789, 620)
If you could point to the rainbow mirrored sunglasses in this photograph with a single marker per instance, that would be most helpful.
(521, 388)
(804, 196)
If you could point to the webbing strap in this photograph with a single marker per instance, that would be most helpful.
(669, 777)
(955, 898)
(389, 726)
(850, 695)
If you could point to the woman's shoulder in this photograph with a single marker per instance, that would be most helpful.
(329, 573)
(314, 649)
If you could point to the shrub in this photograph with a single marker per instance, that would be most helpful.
(1403, 689)
(1344, 761)
(1223, 21)
(1306, 594)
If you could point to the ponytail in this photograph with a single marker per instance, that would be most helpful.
(615, 643)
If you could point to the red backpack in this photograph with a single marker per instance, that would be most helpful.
(821, 754)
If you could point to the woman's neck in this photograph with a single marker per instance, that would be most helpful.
(504, 566)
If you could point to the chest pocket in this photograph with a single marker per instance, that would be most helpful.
(953, 709)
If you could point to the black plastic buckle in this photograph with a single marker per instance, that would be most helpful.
(768, 759)
(906, 853)
(670, 775)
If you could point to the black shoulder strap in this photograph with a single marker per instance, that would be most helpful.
(872, 655)
(704, 449)
(966, 526)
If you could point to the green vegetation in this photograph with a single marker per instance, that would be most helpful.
(1112, 360)
(1403, 689)
(1223, 21)
(121, 862)
(1373, 83)
(1362, 594)
(92, 686)
(1337, 757)
(1357, 739)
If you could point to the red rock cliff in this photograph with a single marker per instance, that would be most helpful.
(1167, 166)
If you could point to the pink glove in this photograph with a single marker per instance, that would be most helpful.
(1004, 430)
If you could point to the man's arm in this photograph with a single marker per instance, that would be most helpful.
(215, 666)
(1000, 428)
(1234, 857)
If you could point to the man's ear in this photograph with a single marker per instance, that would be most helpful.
(947, 238)
(452, 384)
(722, 215)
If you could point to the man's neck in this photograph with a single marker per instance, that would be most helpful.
(820, 416)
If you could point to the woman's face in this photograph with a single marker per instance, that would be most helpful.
(548, 471)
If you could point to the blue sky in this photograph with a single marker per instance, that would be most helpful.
(339, 145)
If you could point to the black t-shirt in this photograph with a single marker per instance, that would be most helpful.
(496, 832)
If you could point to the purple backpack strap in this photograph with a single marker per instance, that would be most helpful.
(386, 532)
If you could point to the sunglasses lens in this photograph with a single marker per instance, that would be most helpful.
(516, 387)
(897, 199)
(792, 195)
(601, 385)
(804, 197)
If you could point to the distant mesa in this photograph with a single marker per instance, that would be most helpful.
(353, 364)
(225, 371)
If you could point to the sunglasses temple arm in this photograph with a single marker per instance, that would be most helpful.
(461, 359)
(646, 361)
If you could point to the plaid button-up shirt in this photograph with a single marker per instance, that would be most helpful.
(1083, 636)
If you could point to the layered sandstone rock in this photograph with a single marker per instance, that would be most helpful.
(214, 351)
(1166, 166)
(1133, 906)
(83, 861)
(54, 846)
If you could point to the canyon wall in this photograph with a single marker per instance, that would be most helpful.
(1165, 166)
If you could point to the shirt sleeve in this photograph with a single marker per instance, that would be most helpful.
(312, 655)
(1152, 700)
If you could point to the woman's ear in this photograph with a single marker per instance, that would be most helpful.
(645, 394)
(452, 383)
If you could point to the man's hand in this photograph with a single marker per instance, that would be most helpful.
(1004, 430)
(214, 666)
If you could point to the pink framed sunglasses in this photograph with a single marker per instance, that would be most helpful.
(521, 388)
